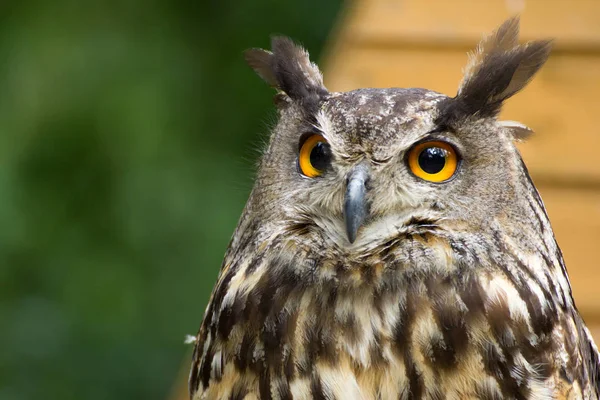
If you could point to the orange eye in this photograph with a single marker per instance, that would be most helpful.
(433, 161)
(315, 156)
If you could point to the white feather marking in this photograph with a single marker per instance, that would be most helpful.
(216, 366)
(389, 308)
(341, 383)
(300, 389)
(500, 290)
(325, 125)
(360, 351)
(189, 339)
(540, 390)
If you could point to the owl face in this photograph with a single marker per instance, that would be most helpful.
(361, 165)
(372, 161)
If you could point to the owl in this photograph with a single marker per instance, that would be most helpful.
(395, 247)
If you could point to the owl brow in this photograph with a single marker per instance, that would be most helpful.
(439, 129)
(313, 126)
(322, 124)
(435, 133)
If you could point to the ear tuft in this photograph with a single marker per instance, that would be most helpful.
(504, 38)
(289, 69)
(260, 61)
(498, 69)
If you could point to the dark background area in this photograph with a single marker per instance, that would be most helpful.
(129, 131)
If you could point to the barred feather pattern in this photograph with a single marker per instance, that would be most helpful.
(431, 313)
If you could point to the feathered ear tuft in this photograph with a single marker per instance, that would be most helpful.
(289, 69)
(498, 69)
(260, 61)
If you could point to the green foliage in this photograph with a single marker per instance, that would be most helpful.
(128, 140)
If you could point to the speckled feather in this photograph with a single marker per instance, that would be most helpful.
(450, 291)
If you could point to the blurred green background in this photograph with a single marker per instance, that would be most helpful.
(129, 131)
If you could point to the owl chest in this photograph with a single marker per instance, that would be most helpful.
(427, 338)
(353, 347)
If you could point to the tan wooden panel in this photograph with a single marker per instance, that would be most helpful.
(561, 104)
(575, 23)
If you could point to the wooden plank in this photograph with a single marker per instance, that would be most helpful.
(575, 23)
(561, 103)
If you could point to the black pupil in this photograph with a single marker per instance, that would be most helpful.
(320, 155)
(432, 160)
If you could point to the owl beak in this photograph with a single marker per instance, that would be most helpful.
(355, 205)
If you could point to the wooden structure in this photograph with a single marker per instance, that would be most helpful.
(424, 43)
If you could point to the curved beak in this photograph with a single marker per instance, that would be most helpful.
(355, 205)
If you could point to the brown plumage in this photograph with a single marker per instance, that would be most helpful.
(409, 256)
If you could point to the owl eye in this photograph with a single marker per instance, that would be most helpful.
(315, 156)
(433, 161)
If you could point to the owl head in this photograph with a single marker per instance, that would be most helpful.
(359, 166)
